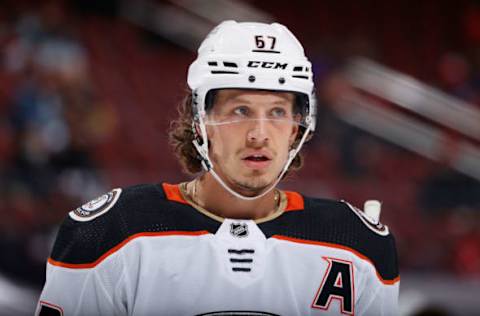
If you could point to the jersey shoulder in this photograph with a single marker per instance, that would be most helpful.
(344, 212)
(353, 228)
(98, 226)
(339, 224)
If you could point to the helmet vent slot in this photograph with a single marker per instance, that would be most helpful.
(300, 77)
(224, 72)
(212, 63)
(298, 68)
(230, 64)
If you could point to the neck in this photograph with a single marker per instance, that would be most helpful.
(210, 195)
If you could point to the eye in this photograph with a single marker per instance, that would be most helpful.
(278, 112)
(241, 111)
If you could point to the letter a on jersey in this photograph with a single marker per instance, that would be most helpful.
(337, 284)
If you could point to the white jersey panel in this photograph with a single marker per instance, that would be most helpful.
(237, 269)
(91, 291)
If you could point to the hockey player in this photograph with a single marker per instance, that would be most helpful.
(228, 242)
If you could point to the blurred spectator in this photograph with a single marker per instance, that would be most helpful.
(455, 74)
(463, 227)
(431, 311)
(47, 141)
(447, 190)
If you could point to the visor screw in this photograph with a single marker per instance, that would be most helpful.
(251, 78)
(281, 80)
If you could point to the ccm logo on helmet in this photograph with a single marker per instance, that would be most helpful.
(266, 64)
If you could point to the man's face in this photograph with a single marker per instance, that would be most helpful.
(250, 134)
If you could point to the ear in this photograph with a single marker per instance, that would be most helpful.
(197, 130)
(199, 133)
(293, 134)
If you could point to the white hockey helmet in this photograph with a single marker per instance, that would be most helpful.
(249, 55)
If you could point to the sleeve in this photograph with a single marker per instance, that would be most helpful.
(380, 290)
(84, 275)
(380, 299)
(72, 291)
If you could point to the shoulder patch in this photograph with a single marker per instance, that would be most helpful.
(371, 223)
(96, 207)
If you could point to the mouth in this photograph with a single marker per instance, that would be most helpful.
(257, 160)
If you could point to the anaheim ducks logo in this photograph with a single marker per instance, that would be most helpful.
(371, 223)
(96, 207)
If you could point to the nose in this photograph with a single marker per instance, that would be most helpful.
(257, 132)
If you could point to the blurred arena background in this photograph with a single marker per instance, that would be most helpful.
(88, 88)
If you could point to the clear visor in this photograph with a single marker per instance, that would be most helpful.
(245, 121)
(280, 116)
(282, 110)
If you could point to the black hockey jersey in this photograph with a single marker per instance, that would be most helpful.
(145, 250)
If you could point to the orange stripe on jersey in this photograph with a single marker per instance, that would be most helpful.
(331, 245)
(294, 201)
(172, 191)
(120, 245)
(58, 308)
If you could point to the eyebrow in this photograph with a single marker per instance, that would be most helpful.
(238, 99)
(242, 100)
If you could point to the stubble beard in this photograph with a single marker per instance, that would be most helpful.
(251, 187)
(251, 184)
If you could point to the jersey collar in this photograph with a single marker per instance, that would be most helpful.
(293, 201)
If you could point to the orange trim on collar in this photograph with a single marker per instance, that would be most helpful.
(172, 191)
(294, 201)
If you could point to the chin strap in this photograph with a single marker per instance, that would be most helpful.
(208, 166)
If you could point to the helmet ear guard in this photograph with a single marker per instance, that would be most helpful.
(252, 56)
(200, 140)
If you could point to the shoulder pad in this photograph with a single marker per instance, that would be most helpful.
(331, 222)
(96, 207)
(94, 229)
